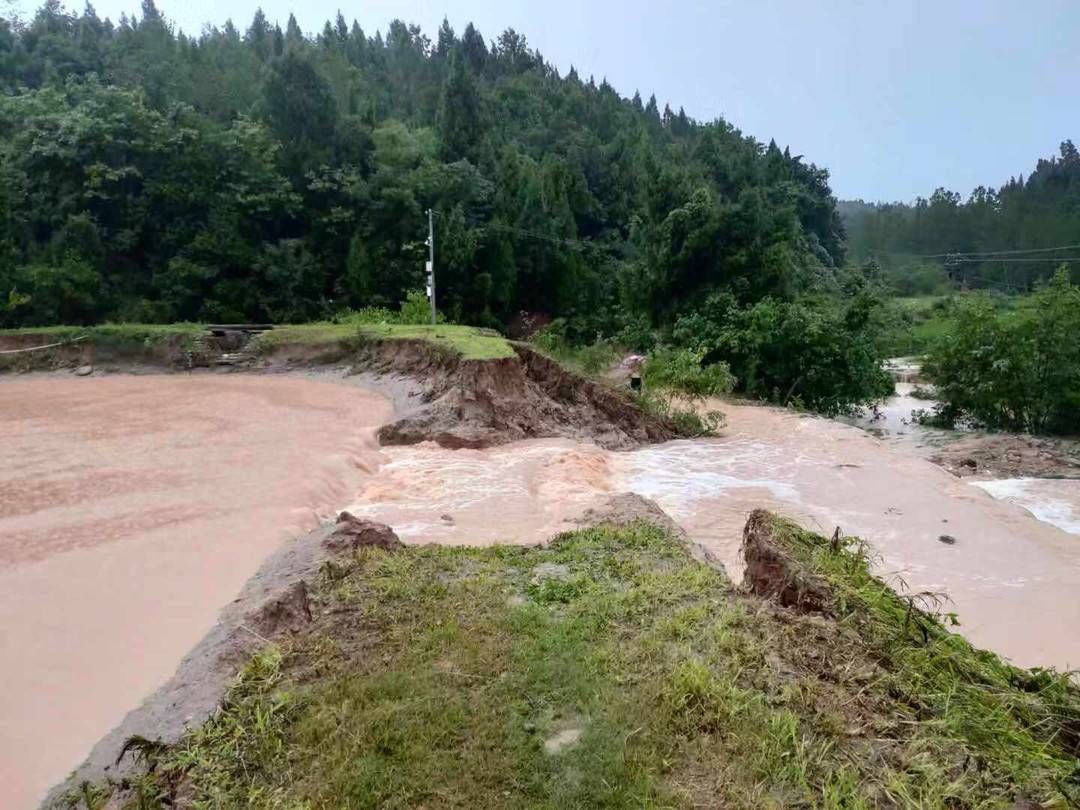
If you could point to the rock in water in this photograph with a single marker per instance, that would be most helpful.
(352, 533)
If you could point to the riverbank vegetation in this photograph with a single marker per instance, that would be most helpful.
(1016, 369)
(610, 669)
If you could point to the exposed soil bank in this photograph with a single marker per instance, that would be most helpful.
(483, 403)
(131, 510)
(157, 349)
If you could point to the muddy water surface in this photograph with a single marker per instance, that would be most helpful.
(131, 510)
(1012, 578)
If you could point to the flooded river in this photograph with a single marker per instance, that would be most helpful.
(133, 508)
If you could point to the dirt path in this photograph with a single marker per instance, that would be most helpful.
(132, 509)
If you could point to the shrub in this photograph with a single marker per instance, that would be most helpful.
(591, 359)
(1013, 370)
(415, 310)
(681, 370)
(817, 352)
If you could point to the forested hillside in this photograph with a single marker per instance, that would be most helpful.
(265, 174)
(948, 236)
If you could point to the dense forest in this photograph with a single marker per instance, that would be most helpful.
(269, 174)
(946, 241)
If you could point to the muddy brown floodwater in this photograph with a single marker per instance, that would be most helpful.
(132, 508)
(1012, 578)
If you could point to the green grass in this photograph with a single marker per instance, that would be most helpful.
(110, 333)
(912, 325)
(435, 677)
(470, 342)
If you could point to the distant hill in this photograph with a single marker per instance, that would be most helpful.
(268, 174)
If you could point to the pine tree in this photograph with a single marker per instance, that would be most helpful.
(476, 52)
(445, 41)
(258, 36)
(459, 116)
(293, 35)
(651, 110)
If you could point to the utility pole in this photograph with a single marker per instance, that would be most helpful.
(431, 261)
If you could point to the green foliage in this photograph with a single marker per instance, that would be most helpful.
(590, 359)
(61, 292)
(1015, 370)
(681, 370)
(910, 326)
(685, 413)
(818, 352)
(436, 674)
(269, 175)
(416, 308)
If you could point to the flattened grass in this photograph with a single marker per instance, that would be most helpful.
(612, 670)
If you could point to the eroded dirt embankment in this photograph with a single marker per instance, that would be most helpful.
(462, 403)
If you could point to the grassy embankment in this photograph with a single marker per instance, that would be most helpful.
(119, 333)
(612, 670)
(470, 342)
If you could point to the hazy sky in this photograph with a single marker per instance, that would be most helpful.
(894, 98)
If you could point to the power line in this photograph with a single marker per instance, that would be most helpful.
(573, 243)
(968, 260)
(1027, 250)
(959, 254)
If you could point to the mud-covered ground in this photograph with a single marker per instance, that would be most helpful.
(1006, 455)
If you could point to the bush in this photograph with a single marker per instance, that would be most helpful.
(591, 359)
(681, 370)
(415, 310)
(366, 316)
(1013, 370)
(819, 353)
(689, 420)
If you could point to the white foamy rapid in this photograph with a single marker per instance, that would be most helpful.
(1052, 500)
